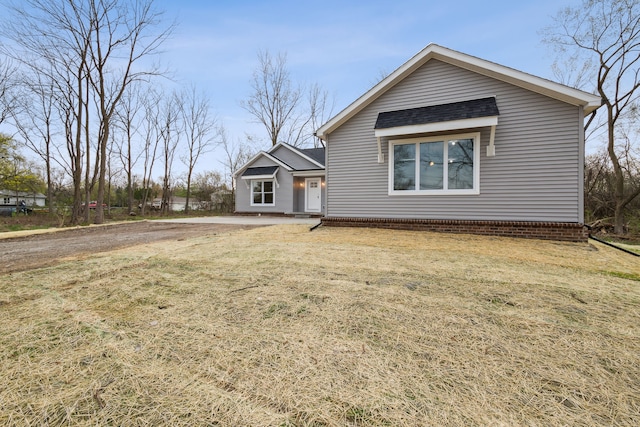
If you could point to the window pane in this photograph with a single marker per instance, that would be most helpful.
(431, 159)
(257, 186)
(404, 167)
(460, 164)
(268, 198)
(257, 198)
(268, 186)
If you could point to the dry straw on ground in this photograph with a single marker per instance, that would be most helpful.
(278, 326)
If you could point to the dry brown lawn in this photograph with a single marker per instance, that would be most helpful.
(279, 326)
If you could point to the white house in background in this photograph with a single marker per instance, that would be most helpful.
(12, 198)
(451, 142)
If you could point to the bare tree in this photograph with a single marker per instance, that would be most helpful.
(274, 101)
(93, 49)
(36, 123)
(320, 110)
(199, 128)
(150, 130)
(168, 131)
(127, 123)
(235, 155)
(7, 96)
(123, 33)
(607, 33)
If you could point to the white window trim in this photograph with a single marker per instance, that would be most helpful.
(466, 192)
(272, 180)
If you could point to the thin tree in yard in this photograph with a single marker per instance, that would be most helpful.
(150, 129)
(275, 100)
(606, 33)
(128, 122)
(199, 128)
(168, 132)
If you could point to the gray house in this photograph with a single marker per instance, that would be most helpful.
(451, 142)
(284, 180)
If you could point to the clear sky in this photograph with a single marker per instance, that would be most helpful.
(342, 45)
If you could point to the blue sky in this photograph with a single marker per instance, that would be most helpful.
(342, 45)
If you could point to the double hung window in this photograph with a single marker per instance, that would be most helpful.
(262, 192)
(435, 165)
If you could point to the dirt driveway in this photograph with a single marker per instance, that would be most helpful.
(42, 250)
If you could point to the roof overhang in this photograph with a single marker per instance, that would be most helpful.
(262, 172)
(473, 113)
(587, 101)
(438, 127)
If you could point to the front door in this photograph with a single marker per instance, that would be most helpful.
(313, 195)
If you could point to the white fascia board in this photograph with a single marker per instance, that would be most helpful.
(309, 173)
(259, 176)
(546, 87)
(439, 126)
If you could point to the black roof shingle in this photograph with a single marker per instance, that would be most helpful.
(262, 170)
(484, 107)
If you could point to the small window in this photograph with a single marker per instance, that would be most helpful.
(262, 193)
(7, 200)
(435, 165)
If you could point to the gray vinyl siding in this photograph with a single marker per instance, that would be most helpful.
(283, 192)
(293, 159)
(536, 174)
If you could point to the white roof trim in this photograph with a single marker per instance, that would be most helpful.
(439, 126)
(545, 87)
(268, 156)
(295, 150)
(252, 177)
(309, 173)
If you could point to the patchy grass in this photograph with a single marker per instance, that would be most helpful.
(277, 326)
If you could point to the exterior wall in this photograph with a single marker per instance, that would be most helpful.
(534, 176)
(283, 192)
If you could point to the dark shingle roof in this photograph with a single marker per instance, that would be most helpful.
(262, 170)
(484, 107)
(316, 154)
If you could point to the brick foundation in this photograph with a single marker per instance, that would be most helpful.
(565, 231)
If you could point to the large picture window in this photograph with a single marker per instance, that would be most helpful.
(435, 165)
(262, 193)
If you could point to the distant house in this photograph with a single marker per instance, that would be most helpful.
(177, 204)
(451, 142)
(284, 180)
(13, 198)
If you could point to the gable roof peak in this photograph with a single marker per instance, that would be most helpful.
(533, 83)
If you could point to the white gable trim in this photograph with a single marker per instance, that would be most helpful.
(545, 87)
